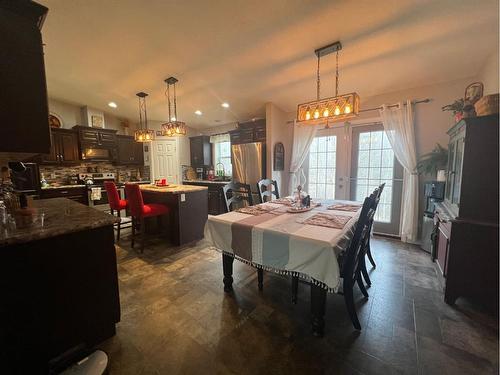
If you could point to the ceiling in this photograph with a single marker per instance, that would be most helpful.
(250, 52)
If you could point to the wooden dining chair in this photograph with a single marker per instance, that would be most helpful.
(267, 188)
(349, 262)
(368, 249)
(375, 198)
(235, 193)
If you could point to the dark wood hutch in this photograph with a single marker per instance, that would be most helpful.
(466, 223)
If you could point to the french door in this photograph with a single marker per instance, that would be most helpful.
(349, 163)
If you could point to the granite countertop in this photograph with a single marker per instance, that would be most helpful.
(62, 186)
(205, 182)
(62, 216)
(173, 189)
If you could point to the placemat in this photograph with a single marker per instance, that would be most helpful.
(327, 220)
(344, 207)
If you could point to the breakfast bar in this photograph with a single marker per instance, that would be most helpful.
(188, 210)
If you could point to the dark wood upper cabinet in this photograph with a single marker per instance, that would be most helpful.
(23, 94)
(130, 152)
(248, 132)
(105, 138)
(64, 149)
(201, 153)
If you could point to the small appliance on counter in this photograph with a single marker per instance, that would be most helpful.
(433, 192)
(26, 181)
(200, 173)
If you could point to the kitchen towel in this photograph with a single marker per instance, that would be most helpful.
(95, 194)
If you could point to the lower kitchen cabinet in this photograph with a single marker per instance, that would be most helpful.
(216, 203)
(78, 193)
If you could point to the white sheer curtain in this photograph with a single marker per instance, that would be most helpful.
(399, 126)
(303, 136)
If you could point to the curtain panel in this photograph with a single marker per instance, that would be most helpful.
(303, 136)
(398, 125)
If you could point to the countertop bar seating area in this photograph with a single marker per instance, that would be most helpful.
(249, 187)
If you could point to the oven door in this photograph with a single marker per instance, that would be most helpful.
(102, 204)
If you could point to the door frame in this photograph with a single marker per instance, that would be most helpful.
(152, 151)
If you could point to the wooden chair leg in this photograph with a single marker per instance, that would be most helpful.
(143, 234)
(359, 280)
(133, 232)
(365, 272)
(369, 254)
(351, 309)
(260, 278)
(295, 289)
(118, 226)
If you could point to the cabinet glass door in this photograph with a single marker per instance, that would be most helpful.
(450, 179)
(457, 170)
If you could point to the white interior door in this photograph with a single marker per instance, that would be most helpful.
(164, 160)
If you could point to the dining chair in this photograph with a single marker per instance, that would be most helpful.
(349, 262)
(235, 193)
(268, 188)
(116, 204)
(368, 250)
(375, 198)
(139, 211)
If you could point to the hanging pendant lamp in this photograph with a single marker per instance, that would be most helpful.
(143, 134)
(335, 108)
(173, 126)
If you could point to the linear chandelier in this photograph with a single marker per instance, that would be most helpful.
(172, 126)
(143, 134)
(336, 108)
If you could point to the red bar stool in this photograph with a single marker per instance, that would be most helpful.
(139, 211)
(115, 203)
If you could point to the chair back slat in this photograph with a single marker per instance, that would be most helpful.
(237, 195)
(113, 196)
(267, 188)
(135, 202)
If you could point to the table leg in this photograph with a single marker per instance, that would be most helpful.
(227, 266)
(318, 302)
(260, 278)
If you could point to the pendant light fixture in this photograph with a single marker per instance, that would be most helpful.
(335, 108)
(143, 134)
(173, 126)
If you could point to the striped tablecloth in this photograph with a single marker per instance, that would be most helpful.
(279, 241)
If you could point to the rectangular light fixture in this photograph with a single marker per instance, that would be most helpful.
(335, 108)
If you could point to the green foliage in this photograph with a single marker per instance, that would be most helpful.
(433, 161)
(456, 107)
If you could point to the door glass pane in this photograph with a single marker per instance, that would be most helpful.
(375, 166)
(322, 167)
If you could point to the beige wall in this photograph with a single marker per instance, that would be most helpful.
(489, 74)
(71, 115)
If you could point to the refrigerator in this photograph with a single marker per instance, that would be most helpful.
(249, 164)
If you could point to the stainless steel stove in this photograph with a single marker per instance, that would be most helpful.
(97, 196)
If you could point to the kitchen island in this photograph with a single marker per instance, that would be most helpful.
(188, 210)
(59, 285)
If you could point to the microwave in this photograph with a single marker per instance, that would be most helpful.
(98, 153)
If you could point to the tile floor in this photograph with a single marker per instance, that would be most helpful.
(176, 319)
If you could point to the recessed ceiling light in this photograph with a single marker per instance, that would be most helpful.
(112, 104)
(225, 105)
(198, 112)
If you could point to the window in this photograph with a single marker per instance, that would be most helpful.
(222, 154)
(322, 162)
(375, 166)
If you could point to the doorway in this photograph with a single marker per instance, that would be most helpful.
(349, 163)
(164, 160)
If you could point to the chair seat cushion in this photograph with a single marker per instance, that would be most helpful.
(154, 209)
(122, 204)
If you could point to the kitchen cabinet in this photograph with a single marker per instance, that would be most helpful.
(130, 152)
(467, 230)
(23, 94)
(77, 193)
(201, 152)
(64, 148)
(88, 136)
(216, 203)
(249, 132)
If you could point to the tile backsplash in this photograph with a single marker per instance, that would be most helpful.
(60, 174)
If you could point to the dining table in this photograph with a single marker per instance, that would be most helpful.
(274, 236)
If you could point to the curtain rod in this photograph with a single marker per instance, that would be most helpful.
(427, 100)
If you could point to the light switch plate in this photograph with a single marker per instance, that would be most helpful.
(183, 197)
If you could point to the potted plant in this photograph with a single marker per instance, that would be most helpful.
(434, 162)
(457, 107)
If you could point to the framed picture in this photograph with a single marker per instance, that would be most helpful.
(55, 121)
(279, 157)
(473, 92)
(97, 121)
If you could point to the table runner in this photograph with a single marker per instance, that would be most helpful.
(279, 241)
